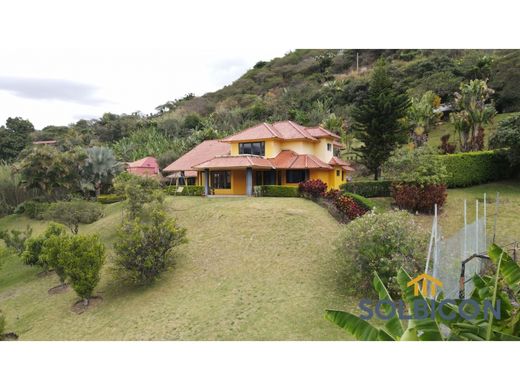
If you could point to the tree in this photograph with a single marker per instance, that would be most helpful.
(100, 167)
(144, 247)
(51, 249)
(473, 112)
(14, 137)
(33, 246)
(507, 136)
(82, 257)
(423, 116)
(72, 213)
(378, 120)
(15, 239)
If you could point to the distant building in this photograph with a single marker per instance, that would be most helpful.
(147, 166)
(50, 142)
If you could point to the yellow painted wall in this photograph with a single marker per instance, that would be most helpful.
(300, 147)
(320, 150)
(238, 184)
(272, 148)
(234, 149)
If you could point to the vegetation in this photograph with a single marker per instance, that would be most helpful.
(15, 239)
(74, 213)
(12, 193)
(33, 246)
(368, 188)
(312, 188)
(382, 243)
(100, 168)
(507, 136)
(186, 190)
(14, 137)
(110, 198)
(377, 121)
(278, 191)
(423, 116)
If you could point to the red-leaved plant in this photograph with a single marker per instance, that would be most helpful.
(314, 188)
(414, 197)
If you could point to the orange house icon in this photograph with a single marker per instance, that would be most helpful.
(425, 278)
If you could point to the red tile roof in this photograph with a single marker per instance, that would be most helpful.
(241, 161)
(286, 130)
(200, 153)
(287, 159)
(337, 161)
(147, 162)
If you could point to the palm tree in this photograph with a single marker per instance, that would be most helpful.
(423, 116)
(474, 112)
(101, 166)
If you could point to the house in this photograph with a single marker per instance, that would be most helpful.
(182, 168)
(49, 142)
(147, 166)
(281, 153)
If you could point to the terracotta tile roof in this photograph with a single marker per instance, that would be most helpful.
(147, 162)
(242, 161)
(203, 152)
(186, 174)
(285, 130)
(337, 161)
(287, 159)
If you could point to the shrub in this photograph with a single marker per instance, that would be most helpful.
(15, 239)
(144, 248)
(33, 209)
(82, 258)
(413, 197)
(51, 252)
(418, 166)
(368, 188)
(186, 190)
(382, 243)
(279, 191)
(313, 189)
(138, 191)
(33, 245)
(446, 147)
(74, 212)
(507, 136)
(342, 207)
(466, 169)
(110, 198)
(365, 203)
(12, 192)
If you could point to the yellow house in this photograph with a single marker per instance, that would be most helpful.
(281, 153)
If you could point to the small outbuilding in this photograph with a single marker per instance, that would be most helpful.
(147, 166)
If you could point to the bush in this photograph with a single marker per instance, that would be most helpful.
(110, 198)
(74, 212)
(466, 169)
(413, 197)
(33, 246)
(12, 192)
(345, 208)
(33, 209)
(279, 191)
(313, 189)
(507, 136)
(365, 203)
(368, 188)
(383, 243)
(417, 166)
(82, 258)
(186, 190)
(138, 190)
(52, 249)
(144, 248)
(15, 239)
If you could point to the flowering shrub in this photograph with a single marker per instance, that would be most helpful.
(347, 207)
(312, 188)
(414, 197)
(383, 243)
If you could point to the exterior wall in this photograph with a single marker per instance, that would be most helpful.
(238, 184)
(320, 150)
(272, 148)
(300, 147)
(234, 149)
(143, 171)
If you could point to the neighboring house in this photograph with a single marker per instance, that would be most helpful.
(181, 170)
(50, 142)
(282, 153)
(147, 166)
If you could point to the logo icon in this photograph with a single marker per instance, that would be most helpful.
(425, 278)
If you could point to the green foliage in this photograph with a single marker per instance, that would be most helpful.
(15, 239)
(74, 212)
(382, 243)
(12, 193)
(14, 137)
(507, 135)
(505, 79)
(144, 248)
(82, 258)
(34, 209)
(278, 191)
(361, 201)
(33, 246)
(138, 191)
(418, 166)
(422, 117)
(100, 168)
(110, 198)
(368, 188)
(466, 169)
(51, 251)
(378, 120)
(186, 190)
(473, 112)
(2, 324)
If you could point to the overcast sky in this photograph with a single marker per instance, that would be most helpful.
(58, 86)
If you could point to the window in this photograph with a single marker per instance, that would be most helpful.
(265, 178)
(256, 148)
(329, 147)
(342, 175)
(296, 175)
(337, 172)
(221, 179)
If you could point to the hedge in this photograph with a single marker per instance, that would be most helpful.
(368, 188)
(110, 198)
(279, 191)
(361, 201)
(470, 168)
(186, 190)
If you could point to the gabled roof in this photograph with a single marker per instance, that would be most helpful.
(147, 162)
(202, 152)
(287, 159)
(336, 161)
(242, 161)
(285, 130)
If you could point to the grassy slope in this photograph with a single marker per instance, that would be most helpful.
(254, 269)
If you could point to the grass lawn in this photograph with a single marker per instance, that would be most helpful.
(254, 269)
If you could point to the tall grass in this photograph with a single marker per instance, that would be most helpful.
(12, 193)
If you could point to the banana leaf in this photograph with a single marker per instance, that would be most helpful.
(393, 326)
(360, 329)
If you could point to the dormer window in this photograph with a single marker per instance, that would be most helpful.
(256, 148)
(329, 147)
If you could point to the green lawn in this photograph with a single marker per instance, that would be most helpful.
(254, 269)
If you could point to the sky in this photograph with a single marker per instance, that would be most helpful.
(60, 86)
